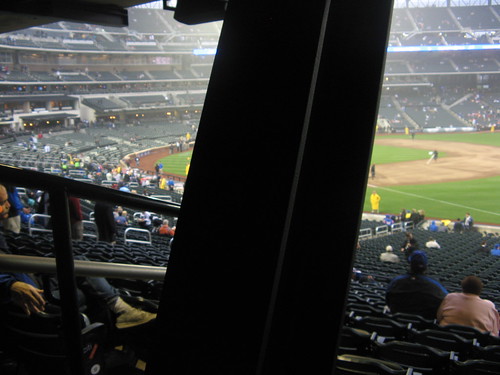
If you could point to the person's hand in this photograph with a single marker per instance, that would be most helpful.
(27, 297)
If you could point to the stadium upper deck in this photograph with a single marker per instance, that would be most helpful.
(158, 67)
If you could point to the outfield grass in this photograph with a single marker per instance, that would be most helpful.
(484, 138)
(176, 163)
(450, 200)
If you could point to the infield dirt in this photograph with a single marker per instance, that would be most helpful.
(463, 161)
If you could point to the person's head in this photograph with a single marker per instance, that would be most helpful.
(472, 285)
(165, 222)
(388, 248)
(418, 262)
(4, 202)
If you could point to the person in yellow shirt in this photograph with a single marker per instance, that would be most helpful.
(163, 183)
(375, 202)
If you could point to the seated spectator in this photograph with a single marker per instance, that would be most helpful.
(458, 227)
(409, 245)
(468, 222)
(442, 227)
(388, 220)
(496, 250)
(117, 211)
(171, 184)
(432, 244)
(357, 275)
(389, 256)
(468, 309)
(166, 230)
(144, 220)
(23, 290)
(433, 227)
(414, 292)
(446, 222)
(121, 219)
(483, 249)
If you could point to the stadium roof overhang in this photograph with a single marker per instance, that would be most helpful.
(48, 117)
(20, 14)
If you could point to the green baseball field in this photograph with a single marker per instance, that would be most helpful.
(176, 163)
(465, 178)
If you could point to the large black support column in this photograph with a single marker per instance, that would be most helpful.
(261, 261)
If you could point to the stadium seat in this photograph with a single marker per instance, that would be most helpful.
(348, 364)
(364, 309)
(488, 353)
(443, 340)
(355, 341)
(38, 345)
(471, 333)
(417, 322)
(388, 328)
(474, 367)
(422, 358)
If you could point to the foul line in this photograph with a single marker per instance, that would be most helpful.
(435, 200)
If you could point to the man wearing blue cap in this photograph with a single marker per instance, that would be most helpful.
(414, 292)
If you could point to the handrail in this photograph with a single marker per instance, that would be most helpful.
(62, 188)
(31, 222)
(164, 198)
(93, 225)
(396, 227)
(23, 263)
(132, 229)
(365, 233)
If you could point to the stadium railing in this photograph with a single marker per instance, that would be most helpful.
(62, 188)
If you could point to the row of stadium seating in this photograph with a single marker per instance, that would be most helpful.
(102, 76)
(428, 109)
(374, 340)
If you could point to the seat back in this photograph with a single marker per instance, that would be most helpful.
(417, 322)
(355, 341)
(348, 364)
(467, 332)
(423, 359)
(386, 327)
(488, 353)
(447, 341)
(37, 343)
(475, 367)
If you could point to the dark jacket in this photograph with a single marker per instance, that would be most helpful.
(415, 294)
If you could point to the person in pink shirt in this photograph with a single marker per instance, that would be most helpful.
(468, 309)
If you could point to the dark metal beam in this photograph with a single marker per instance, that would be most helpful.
(71, 327)
(260, 289)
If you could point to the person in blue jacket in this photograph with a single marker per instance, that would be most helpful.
(414, 292)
